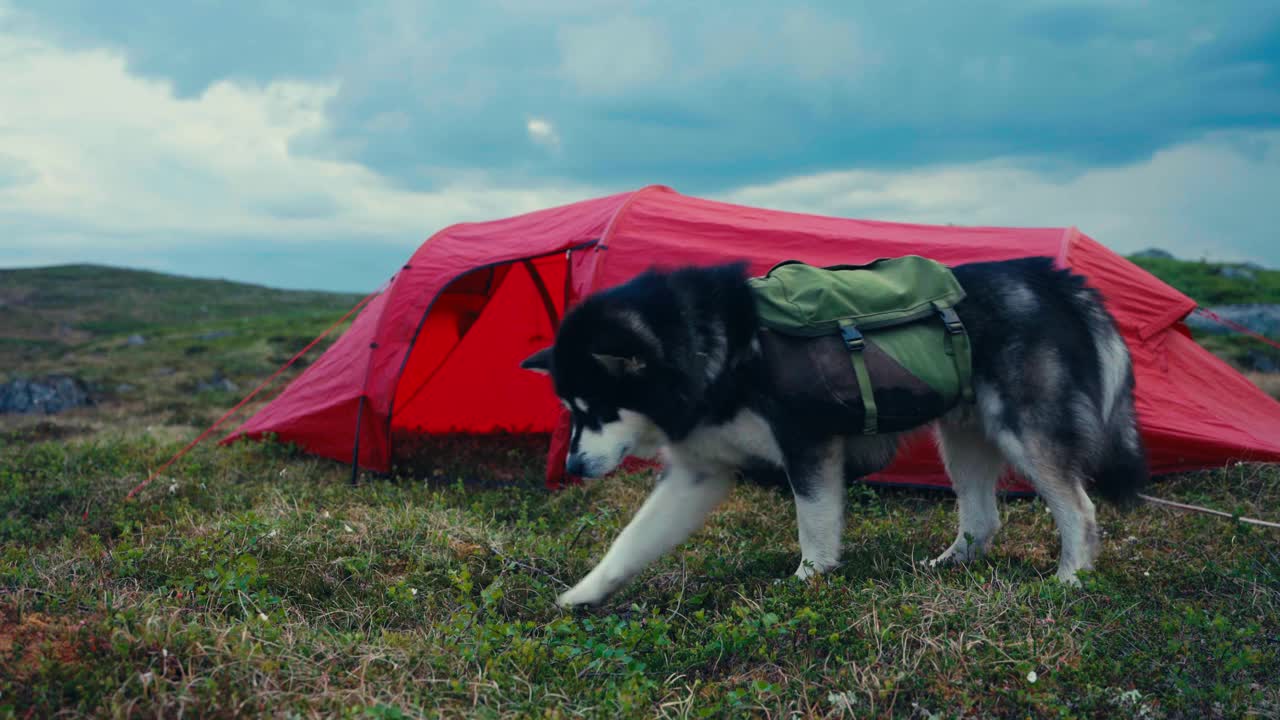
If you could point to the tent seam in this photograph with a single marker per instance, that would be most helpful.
(1145, 332)
(610, 230)
(1167, 319)
(606, 239)
(413, 340)
(1069, 236)
(392, 289)
(391, 412)
(377, 333)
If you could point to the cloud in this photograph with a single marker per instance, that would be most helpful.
(146, 132)
(14, 171)
(542, 133)
(710, 97)
(1212, 197)
(109, 166)
(298, 206)
(615, 56)
(195, 45)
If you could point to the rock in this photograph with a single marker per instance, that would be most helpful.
(215, 335)
(48, 395)
(1237, 272)
(1205, 325)
(1262, 362)
(1154, 253)
(45, 430)
(1262, 319)
(165, 371)
(218, 382)
(135, 340)
(124, 388)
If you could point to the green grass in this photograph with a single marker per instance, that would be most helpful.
(47, 311)
(255, 580)
(193, 329)
(1204, 283)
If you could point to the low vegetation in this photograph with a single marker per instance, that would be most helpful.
(1212, 283)
(1216, 284)
(75, 315)
(256, 580)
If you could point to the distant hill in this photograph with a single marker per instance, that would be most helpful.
(74, 303)
(1211, 283)
(47, 311)
(1245, 293)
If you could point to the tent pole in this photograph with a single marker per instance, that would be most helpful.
(355, 452)
(541, 286)
(355, 446)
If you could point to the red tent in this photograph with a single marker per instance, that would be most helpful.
(437, 350)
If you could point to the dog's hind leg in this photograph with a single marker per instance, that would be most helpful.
(677, 507)
(817, 478)
(974, 465)
(1061, 486)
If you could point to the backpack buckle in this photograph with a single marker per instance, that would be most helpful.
(952, 321)
(853, 338)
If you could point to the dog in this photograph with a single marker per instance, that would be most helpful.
(669, 365)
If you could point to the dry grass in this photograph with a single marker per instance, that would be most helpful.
(1269, 382)
(256, 581)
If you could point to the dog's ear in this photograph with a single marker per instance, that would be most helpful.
(539, 362)
(617, 366)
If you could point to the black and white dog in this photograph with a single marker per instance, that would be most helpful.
(670, 364)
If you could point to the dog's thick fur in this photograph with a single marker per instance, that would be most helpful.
(669, 364)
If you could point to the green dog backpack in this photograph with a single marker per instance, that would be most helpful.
(882, 340)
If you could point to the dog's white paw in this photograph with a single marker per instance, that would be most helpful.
(809, 568)
(943, 560)
(1068, 578)
(960, 552)
(581, 595)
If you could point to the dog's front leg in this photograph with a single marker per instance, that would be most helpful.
(818, 483)
(677, 507)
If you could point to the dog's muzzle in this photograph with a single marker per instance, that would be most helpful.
(585, 466)
(574, 465)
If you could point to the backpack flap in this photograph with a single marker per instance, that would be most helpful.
(905, 354)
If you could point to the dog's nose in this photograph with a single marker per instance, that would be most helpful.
(574, 465)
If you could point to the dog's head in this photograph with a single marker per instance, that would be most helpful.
(608, 369)
(632, 363)
(620, 365)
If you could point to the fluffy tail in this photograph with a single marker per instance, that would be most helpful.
(1122, 470)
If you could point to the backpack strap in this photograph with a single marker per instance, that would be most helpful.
(958, 346)
(856, 343)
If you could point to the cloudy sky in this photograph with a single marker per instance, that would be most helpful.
(315, 144)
